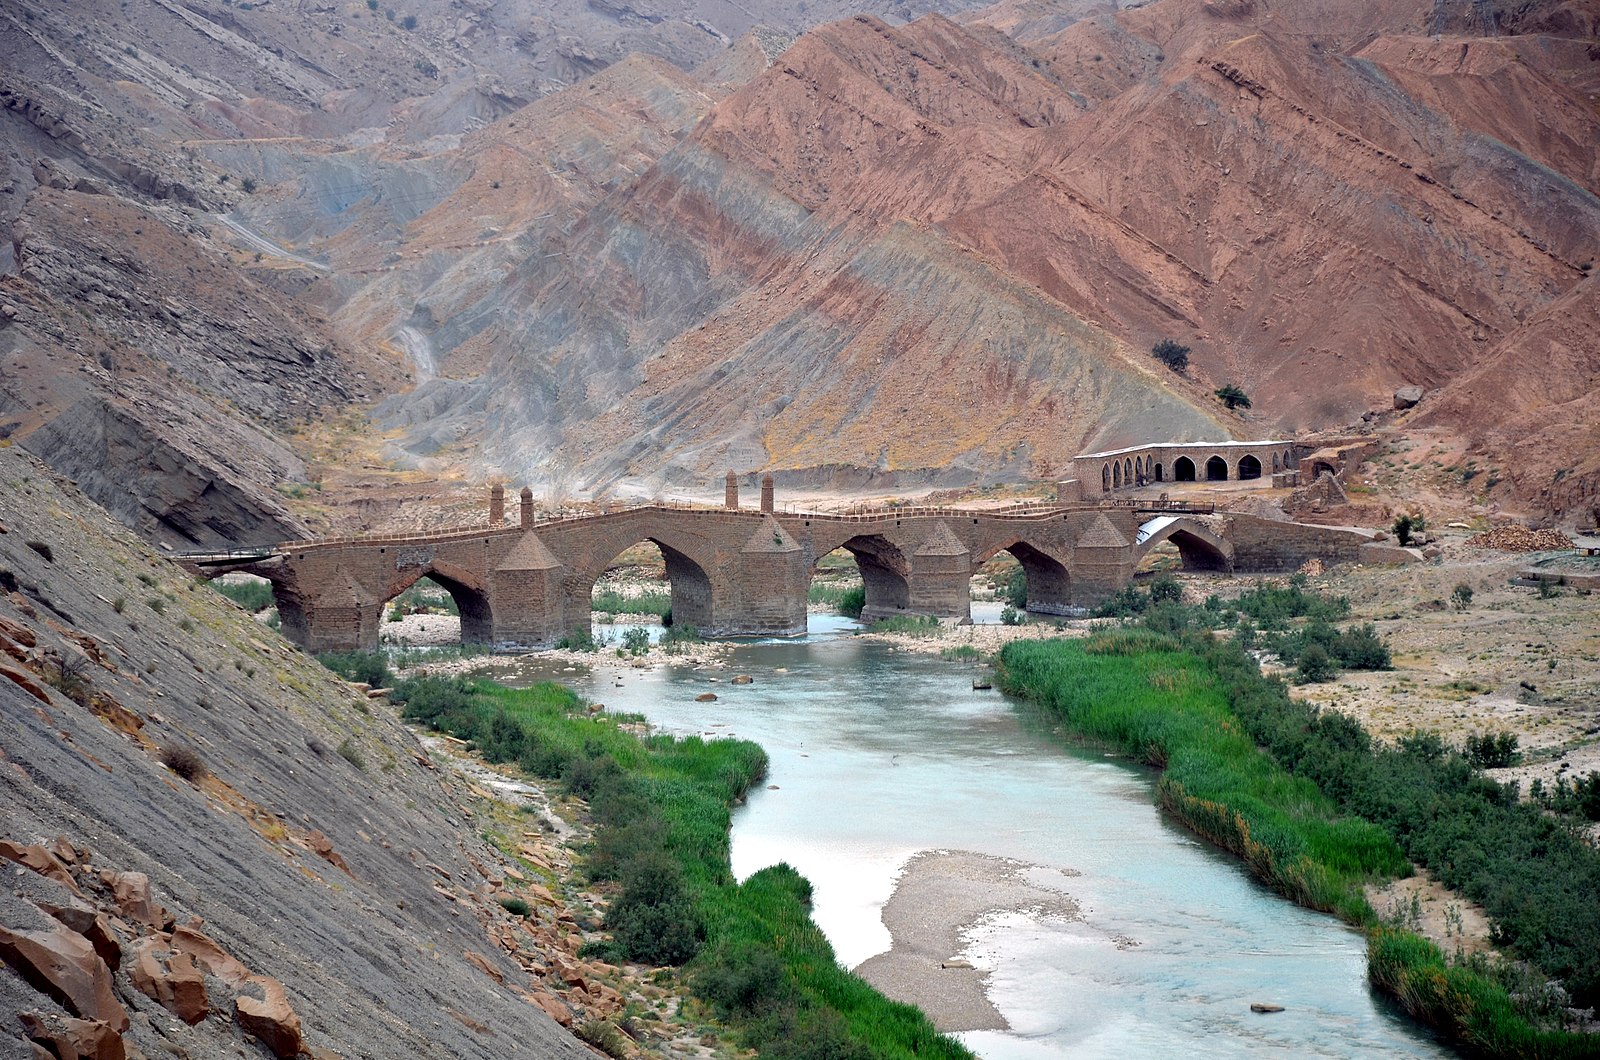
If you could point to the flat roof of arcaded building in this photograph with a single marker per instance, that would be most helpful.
(1269, 443)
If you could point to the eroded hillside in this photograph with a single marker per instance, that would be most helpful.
(624, 248)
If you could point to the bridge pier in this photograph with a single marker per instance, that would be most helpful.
(941, 577)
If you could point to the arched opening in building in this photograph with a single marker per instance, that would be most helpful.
(1249, 467)
(1127, 472)
(1183, 470)
(1116, 476)
(1216, 469)
(1275, 466)
(1320, 468)
(1105, 478)
(650, 579)
(434, 609)
(1158, 475)
(1289, 460)
(885, 575)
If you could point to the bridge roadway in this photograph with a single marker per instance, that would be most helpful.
(746, 572)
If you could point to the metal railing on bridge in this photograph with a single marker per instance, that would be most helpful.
(215, 558)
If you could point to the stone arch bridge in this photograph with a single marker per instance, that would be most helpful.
(742, 572)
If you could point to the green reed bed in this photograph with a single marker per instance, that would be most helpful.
(662, 807)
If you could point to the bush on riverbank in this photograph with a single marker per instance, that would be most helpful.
(366, 667)
(1194, 704)
(661, 805)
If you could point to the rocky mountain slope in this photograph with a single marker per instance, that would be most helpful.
(305, 877)
(939, 252)
(601, 246)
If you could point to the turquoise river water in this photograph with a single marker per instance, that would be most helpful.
(878, 754)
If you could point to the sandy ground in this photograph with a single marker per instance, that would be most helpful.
(1511, 661)
(942, 896)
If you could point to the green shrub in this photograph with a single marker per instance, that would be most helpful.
(253, 596)
(654, 919)
(914, 625)
(365, 667)
(1171, 354)
(1231, 396)
(513, 905)
(853, 601)
(348, 751)
(1010, 616)
(1016, 591)
(579, 640)
(1461, 596)
(1491, 750)
(679, 638)
(636, 641)
(1315, 666)
(610, 602)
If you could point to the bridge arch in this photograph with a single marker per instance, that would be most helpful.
(1249, 467)
(1105, 478)
(1116, 475)
(1216, 469)
(1201, 547)
(1183, 470)
(695, 593)
(885, 574)
(1048, 580)
(466, 591)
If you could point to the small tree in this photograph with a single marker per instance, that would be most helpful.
(409, 22)
(1316, 666)
(1233, 397)
(1172, 354)
(1462, 597)
(1402, 529)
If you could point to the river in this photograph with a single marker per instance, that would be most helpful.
(878, 754)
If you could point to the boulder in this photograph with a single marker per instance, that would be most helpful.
(71, 1039)
(63, 964)
(706, 697)
(270, 1018)
(27, 681)
(131, 891)
(322, 846)
(1407, 397)
(92, 925)
(743, 679)
(41, 861)
(172, 980)
(210, 956)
